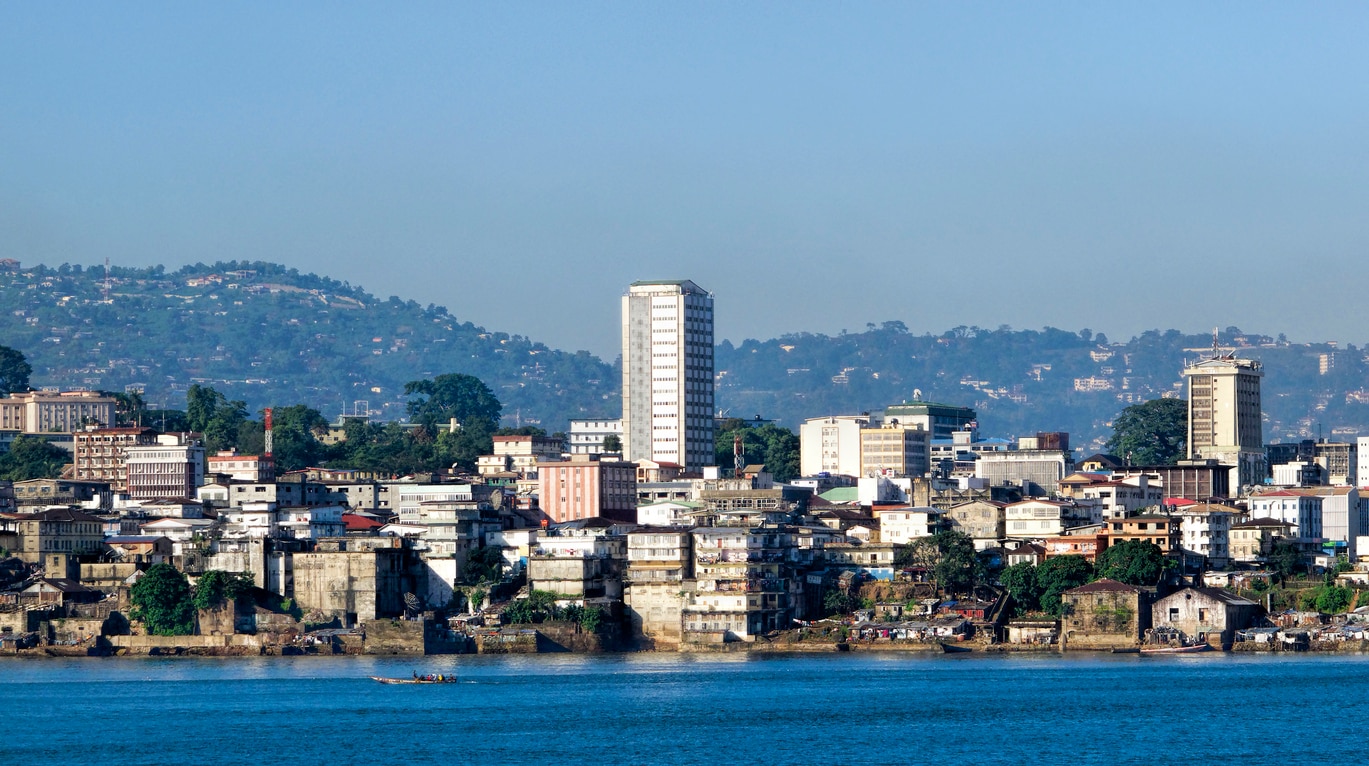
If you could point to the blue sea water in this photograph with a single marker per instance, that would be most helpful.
(685, 709)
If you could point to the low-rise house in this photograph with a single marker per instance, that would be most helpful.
(983, 520)
(1088, 541)
(1041, 518)
(1029, 553)
(1163, 531)
(904, 524)
(1205, 614)
(1252, 540)
(874, 560)
(1104, 614)
(140, 549)
(666, 513)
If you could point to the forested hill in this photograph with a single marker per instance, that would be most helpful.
(272, 336)
(1023, 381)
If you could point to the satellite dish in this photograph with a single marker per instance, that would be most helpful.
(917, 394)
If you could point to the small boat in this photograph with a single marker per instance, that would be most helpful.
(428, 679)
(1192, 649)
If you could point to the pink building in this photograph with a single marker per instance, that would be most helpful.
(584, 487)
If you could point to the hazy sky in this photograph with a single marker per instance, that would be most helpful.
(818, 166)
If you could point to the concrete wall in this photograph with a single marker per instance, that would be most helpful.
(1107, 620)
(655, 610)
(394, 636)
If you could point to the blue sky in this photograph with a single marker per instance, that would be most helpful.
(818, 166)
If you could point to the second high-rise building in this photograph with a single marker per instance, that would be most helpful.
(668, 373)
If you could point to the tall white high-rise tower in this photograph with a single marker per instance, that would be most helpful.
(668, 373)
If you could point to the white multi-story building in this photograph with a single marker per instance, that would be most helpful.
(174, 467)
(903, 525)
(1304, 512)
(832, 444)
(1206, 528)
(668, 373)
(1361, 460)
(586, 436)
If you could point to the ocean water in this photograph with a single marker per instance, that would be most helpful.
(685, 709)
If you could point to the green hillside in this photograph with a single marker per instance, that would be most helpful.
(270, 335)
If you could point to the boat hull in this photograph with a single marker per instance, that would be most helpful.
(384, 680)
(1177, 649)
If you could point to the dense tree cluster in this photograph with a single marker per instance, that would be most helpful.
(32, 457)
(1151, 433)
(775, 446)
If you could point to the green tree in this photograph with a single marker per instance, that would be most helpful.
(14, 371)
(1134, 562)
(161, 600)
(836, 601)
(958, 568)
(1151, 433)
(1286, 560)
(216, 586)
(212, 414)
(201, 403)
(129, 407)
(1059, 574)
(1021, 583)
(484, 565)
(295, 437)
(776, 447)
(464, 398)
(32, 457)
(1329, 599)
(612, 443)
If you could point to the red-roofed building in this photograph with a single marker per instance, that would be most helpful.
(360, 525)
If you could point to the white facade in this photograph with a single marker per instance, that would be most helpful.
(174, 467)
(668, 373)
(903, 525)
(1206, 529)
(1303, 512)
(1361, 460)
(586, 437)
(832, 444)
(1036, 518)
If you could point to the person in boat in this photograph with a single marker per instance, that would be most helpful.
(415, 675)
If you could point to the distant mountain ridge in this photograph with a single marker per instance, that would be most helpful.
(271, 335)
